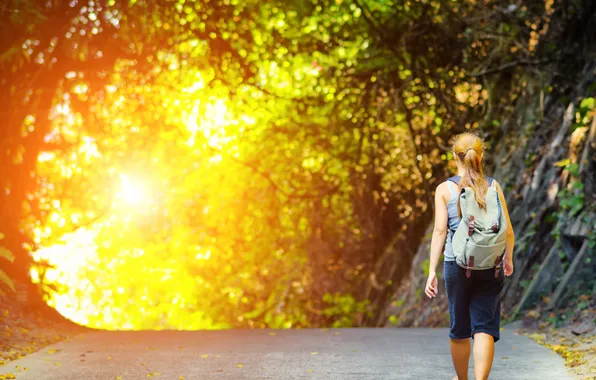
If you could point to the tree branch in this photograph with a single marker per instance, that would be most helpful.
(510, 65)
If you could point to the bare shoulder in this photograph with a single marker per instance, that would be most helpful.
(442, 186)
(443, 190)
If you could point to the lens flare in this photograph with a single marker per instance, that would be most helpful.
(132, 192)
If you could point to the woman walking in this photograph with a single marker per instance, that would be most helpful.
(473, 293)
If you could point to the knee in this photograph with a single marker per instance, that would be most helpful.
(485, 336)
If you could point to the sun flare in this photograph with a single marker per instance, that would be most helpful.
(132, 191)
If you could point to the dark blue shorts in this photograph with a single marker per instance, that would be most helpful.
(475, 302)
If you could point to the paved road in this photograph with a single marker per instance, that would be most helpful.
(342, 354)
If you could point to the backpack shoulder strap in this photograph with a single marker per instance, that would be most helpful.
(455, 179)
(451, 189)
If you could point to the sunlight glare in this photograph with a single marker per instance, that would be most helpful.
(67, 259)
(132, 192)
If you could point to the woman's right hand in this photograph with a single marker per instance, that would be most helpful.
(508, 265)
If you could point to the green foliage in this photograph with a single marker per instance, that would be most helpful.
(525, 283)
(238, 154)
(571, 199)
(584, 113)
(394, 320)
(343, 309)
(425, 266)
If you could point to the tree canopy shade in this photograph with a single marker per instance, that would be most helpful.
(192, 164)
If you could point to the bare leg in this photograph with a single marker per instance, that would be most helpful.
(460, 354)
(484, 352)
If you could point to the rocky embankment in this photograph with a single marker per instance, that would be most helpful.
(545, 161)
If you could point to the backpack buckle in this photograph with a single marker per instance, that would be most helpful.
(498, 265)
(471, 226)
(470, 266)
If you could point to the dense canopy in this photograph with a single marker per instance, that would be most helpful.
(225, 163)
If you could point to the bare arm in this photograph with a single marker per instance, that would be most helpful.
(440, 230)
(510, 241)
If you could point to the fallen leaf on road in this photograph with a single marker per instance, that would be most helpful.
(118, 377)
(204, 356)
(239, 365)
(314, 353)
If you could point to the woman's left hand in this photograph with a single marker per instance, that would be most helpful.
(432, 283)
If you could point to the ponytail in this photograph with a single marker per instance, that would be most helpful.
(468, 148)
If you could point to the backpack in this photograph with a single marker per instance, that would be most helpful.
(479, 241)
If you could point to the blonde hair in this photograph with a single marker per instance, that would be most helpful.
(468, 149)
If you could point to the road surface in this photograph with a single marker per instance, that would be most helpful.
(326, 354)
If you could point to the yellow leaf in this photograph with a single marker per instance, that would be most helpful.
(239, 365)
(5, 253)
(314, 353)
(6, 280)
(562, 163)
